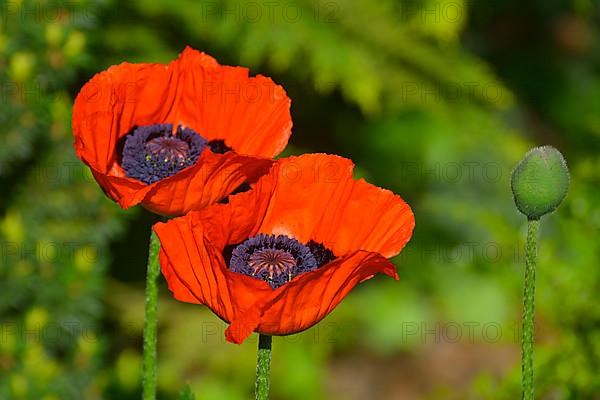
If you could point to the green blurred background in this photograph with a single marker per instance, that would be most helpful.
(436, 100)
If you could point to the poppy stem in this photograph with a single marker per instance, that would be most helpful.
(263, 367)
(150, 321)
(529, 309)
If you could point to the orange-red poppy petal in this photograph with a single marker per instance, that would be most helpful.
(113, 102)
(251, 114)
(212, 178)
(196, 273)
(308, 298)
(314, 196)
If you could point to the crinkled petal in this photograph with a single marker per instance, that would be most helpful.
(251, 114)
(211, 179)
(309, 297)
(196, 272)
(315, 197)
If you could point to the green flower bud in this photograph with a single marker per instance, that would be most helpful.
(540, 181)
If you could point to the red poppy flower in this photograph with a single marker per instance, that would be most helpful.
(178, 136)
(278, 258)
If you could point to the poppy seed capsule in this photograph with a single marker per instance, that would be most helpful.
(540, 181)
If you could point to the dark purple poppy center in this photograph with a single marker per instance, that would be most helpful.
(155, 152)
(277, 259)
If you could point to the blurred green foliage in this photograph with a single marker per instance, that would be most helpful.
(435, 100)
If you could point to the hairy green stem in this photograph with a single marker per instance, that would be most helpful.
(263, 367)
(529, 309)
(150, 321)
